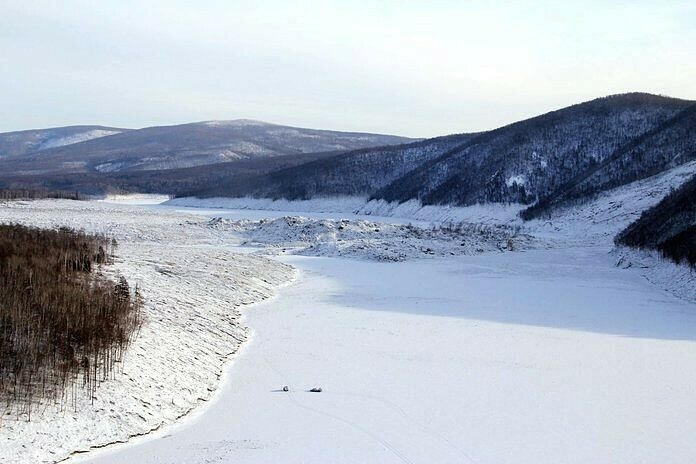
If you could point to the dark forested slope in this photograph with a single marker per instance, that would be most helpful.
(357, 172)
(670, 144)
(669, 226)
(531, 159)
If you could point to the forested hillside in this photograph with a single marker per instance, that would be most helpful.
(187, 145)
(669, 226)
(357, 172)
(564, 155)
(668, 145)
(530, 159)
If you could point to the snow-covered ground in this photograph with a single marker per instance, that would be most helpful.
(564, 349)
(193, 285)
(373, 240)
(544, 356)
(135, 199)
(77, 138)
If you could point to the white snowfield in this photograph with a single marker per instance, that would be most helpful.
(562, 350)
(77, 138)
(534, 357)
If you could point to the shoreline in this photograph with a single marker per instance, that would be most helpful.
(202, 405)
(193, 289)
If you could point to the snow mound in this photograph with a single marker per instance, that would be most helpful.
(412, 209)
(135, 199)
(373, 240)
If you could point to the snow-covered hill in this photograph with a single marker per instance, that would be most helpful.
(31, 141)
(562, 156)
(186, 145)
(532, 159)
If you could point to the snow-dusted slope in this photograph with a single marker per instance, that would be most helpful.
(30, 141)
(531, 159)
(76, 138)
(188, 145)
(192, 287)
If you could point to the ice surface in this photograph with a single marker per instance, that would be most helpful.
(545, 356)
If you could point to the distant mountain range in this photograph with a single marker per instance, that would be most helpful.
(100, 149)
(32, 141)
(558, 158)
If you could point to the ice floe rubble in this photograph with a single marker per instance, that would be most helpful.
(373, 240)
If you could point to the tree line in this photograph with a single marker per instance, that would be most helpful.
(63, 324)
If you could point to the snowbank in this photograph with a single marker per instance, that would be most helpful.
(373, 240)
(136, 199)
(599, 220)
(192, 286)
(678, 279)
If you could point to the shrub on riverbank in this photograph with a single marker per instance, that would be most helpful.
(63, 325)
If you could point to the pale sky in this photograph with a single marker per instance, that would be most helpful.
(414, 68)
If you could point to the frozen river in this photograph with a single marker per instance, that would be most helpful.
(544, 356)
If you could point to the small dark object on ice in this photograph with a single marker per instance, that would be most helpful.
(285, 388)
(316, 390)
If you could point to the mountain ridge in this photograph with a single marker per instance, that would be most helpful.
(188, 145)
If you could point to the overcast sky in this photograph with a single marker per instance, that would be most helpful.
(416, 68)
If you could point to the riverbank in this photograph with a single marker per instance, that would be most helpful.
(193, 285)
(543, 356)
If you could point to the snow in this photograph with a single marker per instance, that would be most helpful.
(77, 138)
(599, 220)
(135, 199)
(679, 280)
(237, 123)
(361, 207)
(372, 240)
(333, 205)
(566, 349)
(468, 359)
(518, 179)
(192, 284)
